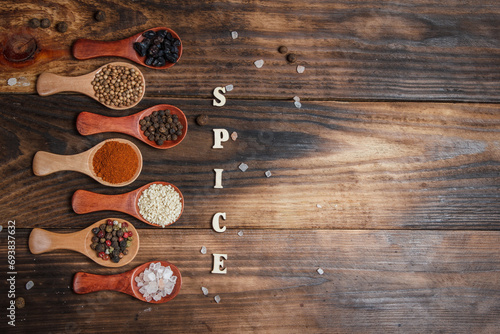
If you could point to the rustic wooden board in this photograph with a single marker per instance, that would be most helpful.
(364, 50)
(334, 165)
(374, 281)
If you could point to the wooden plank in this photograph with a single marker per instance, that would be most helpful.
(364, 50)
(334, 165)
(373, 281)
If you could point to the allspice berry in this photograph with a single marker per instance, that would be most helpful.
(20, 302)
(45, 23)
(283, 49)
(62, 27)
(291, 58)
(202, 120)
(34, 23)
(100, 16)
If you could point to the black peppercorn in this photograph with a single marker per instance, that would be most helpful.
(34, 23)
(291, 58)
(283, 49)
(100, 16)
(62, 27)
(45, 23)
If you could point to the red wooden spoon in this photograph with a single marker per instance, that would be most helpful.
(124, 48)
(88, 124)
(124, 282)
(84, 201)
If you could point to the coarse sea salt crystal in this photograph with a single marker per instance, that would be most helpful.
(1, 228)
(268, 173)
(11, 81)
(320, 271)
(29, 285)
(298, 104)
(234, 34)
(217, 299)
(203, 250)
(259, 63)
(300, 69)
(318, 206)
(243, 167)
(234, 135)
(296, 99)
(240, 233)
(229, 88)
(204, 290)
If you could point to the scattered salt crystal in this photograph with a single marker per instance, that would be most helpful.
(296, 99)
(229, 88)
(203, 250)
(234, 34)
(259, 63)
(268, 173)
(1, 228)
(243, 167)
(29, 285)
(217, 299)
(234, 136)
(318, 206)
(240, 233)
(300, 69)
(298, 104)
(204, 290)
(11, 81)
(320, 271)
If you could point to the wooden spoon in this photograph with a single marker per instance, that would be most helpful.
(124, 48)
(89, 124)
(45, 163)
(50, 83)
(42, 241)
(124, 282)
(84, 201)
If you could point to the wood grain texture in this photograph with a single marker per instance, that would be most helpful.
(364, 50)
(374, 281)
(334, 165)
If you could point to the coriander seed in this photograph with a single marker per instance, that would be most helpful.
(45, 23)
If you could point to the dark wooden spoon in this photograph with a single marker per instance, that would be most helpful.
(124, 48)
(124, 282)
(41, 241)
(88, 124)
(84, 201)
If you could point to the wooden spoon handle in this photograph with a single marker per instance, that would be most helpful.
(86, 283)
(84, 201)
(42, 241)
(87, 49)
(88, 124)
(50, 83)
(45, 163)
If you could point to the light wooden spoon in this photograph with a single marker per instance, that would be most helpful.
(124, 282)
(84, 201)
(50, 83)
(89, 124)
(124, 48)
(42, 241)
(45, 163)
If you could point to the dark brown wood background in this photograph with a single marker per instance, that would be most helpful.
(387, 178)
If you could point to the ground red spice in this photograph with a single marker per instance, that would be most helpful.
(115, 162)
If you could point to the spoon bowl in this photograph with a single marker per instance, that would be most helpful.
(124, 48)
(42, 241)
(88, 124)
(84, 201)
(50, 83)
(124, 282)
(45, 163)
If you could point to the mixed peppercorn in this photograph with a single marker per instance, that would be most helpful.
(161, 125)
(158, 47)
(111, 240)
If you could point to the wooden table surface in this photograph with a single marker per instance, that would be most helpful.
(387, 178)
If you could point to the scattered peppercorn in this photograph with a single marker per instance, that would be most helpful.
(161, 126)
(202, 120)
(291, 58)
(283, 49)
(158, 47)
(100, 16)
(34, 23)
(45, 23)
(20, 302)
(62, 27)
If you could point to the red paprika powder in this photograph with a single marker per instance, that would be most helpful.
(115, 162)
